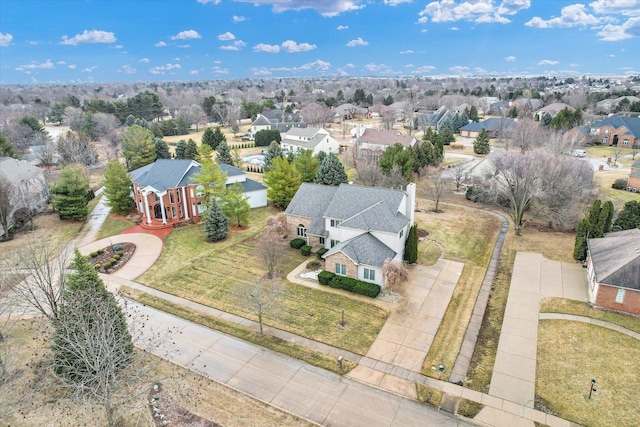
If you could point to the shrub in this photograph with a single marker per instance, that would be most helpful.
(356, 286)
(297, 243)
(619, 184)
(469, 194)
(313, 265)
(325, 277)
(118, 248)
(93, 254)
(305, 250)
(97, 266)
(321, 252)
(100, 251)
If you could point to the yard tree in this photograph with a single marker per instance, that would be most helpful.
(629, 217)
(218, 138)
(208, 138)
(594, 225)
(7, 149)
(235, 205)
(271, 249)
(447, 136)
(216, 224)
(273, 152)
(411, 245)
(70, 194)
(307, 165)
(473, 114)
(57, 112)
(212, 179)
(145, 105)
(162, 149)
(437, 184)
(77, 147)
(261, 297)
(404, 158)
(191, 150)
(283, 181)
(224, 154)
(264, 137)
(181, 149)
(7, 206)
(138, 147)
(117, 187)
(331, 171)
(236, 157)
(393, 273)
(481, 144)
(205, 153)
(182, 128)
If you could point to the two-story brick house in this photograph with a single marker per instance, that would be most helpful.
(618, 131)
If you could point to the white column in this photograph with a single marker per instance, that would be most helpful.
(164, 216)
(184, 202)
(146, 207)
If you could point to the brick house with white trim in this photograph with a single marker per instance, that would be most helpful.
(618, 131)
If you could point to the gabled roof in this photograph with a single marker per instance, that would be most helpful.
(250, 185)
(632, 124)
(261, 121)
(306, 132)
(616, 258)
(350, 200)
(311, 200)
(491, 125)
(377, 217)
(636, 164)
(17, 171)
(385, 137)
(555, 108)
(364, 249)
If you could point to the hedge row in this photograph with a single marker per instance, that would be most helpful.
(321, 252)
(297, 243)
(349, 284)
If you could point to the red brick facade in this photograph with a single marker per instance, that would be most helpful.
(607, 298)
(179, 205)
(608, 135)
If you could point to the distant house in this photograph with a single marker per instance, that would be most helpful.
(275, 120)
(29, 189)
(618, 131)
(634, 177)
(165, 194)
(608, 105)
(613, 265)
(309, 138)
(552, 110)
(381, 139)
(433, 119)
(494, 126)
(499, 108)
(361, 226)
(349, 111)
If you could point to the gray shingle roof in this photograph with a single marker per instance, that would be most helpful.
(317, 227)
(350, 200)
(364, 249)
(631, 123)
(230, 170)
(311, 200)
(385, 137)
(163, 173)
(17, 171)
(261, 121)
(377, 217)
(251, 185)
(491, 125)
(616, 258)
(306, 132)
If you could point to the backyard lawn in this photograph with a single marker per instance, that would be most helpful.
(209, 273)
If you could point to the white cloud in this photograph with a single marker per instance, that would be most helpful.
(186, 35)
(396, 2)
(342, 27)
(425, 69)
(479, 70)
(260, 71)
(510, 58)
(5, 39)
(176, 59)
(612, 33)
(325, 8)
(291, 47)
(454, 29)
(617, 7)
(162, 69)
(317, 65)
(127, 69)
(237, 18)
(72, 66)
(118, 46)
(194, 72)
(61, 62)
(405, 52)
(144, 60)
(379, 68)
(459, 69)
(237, 45)
(93, 36)
(349, 65)
(226, 36)
(34, 65)
(90, 69)
(570, 16)
(268, 48)
(160, 44)
(209, 1)
(220, 70)
(409, 66)
(573, 64)
(183, 46)
(548, 62)
(357, 42)
(482, 11)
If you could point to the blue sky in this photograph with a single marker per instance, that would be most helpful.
(66, 41)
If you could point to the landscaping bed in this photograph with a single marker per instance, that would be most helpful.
(111, 258)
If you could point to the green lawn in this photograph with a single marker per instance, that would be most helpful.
(209, 273)
(113, 225)
(579, 308)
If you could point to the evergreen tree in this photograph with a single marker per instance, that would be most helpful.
(208, 138)
(191, 150)
(181, 149)
(321, 156)
(182, 127)
(629, 217)
(481, 145)
(411, 245)
(70, 194)
(283, 181)
(224, 154)
(7, 149)
(513, 113)
(580, 246)
(162, 149)
(473, 114)
(218, 137)
(204, 153)
(138, 147)
(388, 100)
(331, 171)
(264, 137)
(595, 225)
(83, 277)
(117, 187)
(273, 151)
(235, 205)
(446, 135)
(307, 165)
(212, 179)
(216, 224)
(130, 120)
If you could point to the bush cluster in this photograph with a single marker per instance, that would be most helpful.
(619, 184)
(321, 252)
(348, 284)
(257, 169)
(313, 265)
(297, 243)
(244, 145)
(305, 250)
(96, 253)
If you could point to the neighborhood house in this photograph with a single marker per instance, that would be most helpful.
(310, 138)
(360, 226)
(618, 131)
(165, 195)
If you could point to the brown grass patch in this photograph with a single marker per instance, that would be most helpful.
(428, 395)
(579, 308)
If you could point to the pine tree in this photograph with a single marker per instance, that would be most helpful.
(331, 171)
(181, 149)
(273, 151)
(70, 194)
(307, 164)
(208, 138)
(283, 181)
(411, 245)
(629, 216)
(117, 187)
(235, 205)
(218, 137)
(138, 147)
(191, 150)
(224, 154)
(481, 144)
(182, 127)
(162, 149)
(447, 136)
(216, 224)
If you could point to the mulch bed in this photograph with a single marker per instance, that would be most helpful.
(126, 249)
(165, 410)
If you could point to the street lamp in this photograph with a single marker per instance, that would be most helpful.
(592, 388)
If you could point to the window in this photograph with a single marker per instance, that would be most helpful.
(302, 232)
(155, 197)
(341, 269)
(173, 211)
(334, 242)
(191, 192)
(401, 233)
(335, 222)
(620, 296)
(369, 274)
(171, 200)
(178, 193)
(606, 131)
(200, 191)
(605, 140)
(321, 240)
(625, 142)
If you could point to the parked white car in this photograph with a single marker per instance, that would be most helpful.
(579, 153)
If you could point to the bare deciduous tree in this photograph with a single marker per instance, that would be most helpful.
(460, 174)
(437, 184)
(316, 114)
(278, 224)
(271, 249)
(7, 206)
(388, 117)
(261, 297)
(77, 147)
(393, 273)
(527, 135)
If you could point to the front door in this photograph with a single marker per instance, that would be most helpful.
(157, 211)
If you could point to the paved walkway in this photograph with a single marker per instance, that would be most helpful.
(591, 321)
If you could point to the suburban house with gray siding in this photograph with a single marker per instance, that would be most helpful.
(360, 226)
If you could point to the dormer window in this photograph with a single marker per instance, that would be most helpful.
(335, 222)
